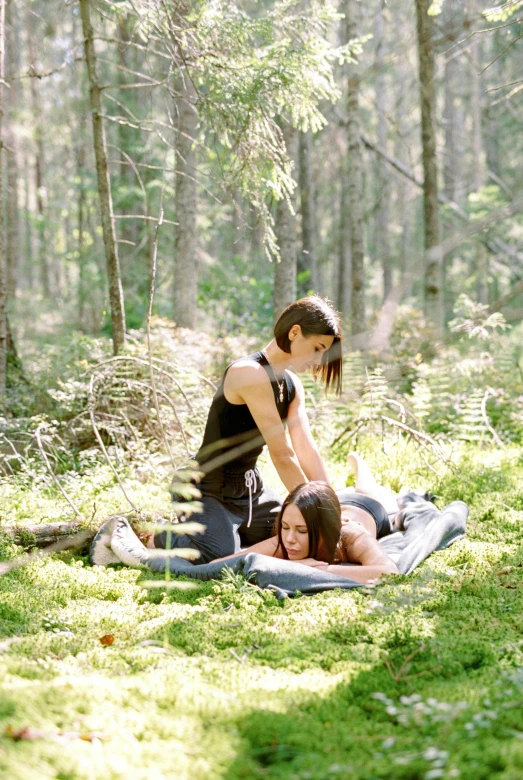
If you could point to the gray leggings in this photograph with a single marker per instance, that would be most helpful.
(225, 522)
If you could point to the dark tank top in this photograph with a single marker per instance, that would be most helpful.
(232, 427)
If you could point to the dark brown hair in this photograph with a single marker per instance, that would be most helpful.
(315, 316)
(321, 510)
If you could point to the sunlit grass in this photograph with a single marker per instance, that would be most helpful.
(225, 681)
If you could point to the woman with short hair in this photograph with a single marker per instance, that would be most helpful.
(259, 397)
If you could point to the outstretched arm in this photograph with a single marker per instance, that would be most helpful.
(302, 442)
(266, 547)
(359, 547)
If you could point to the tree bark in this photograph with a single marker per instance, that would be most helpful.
(13, 214)
(28, 227)
(482, 272)
(477, 93)
(3, 268)
(403, 203)
(355, 178)
(104, 186)
(433, 282)
(43, 254)
(81, 215)
(344, 286)
(382, 179)
(450, 129)
(285, 269)
(454, 124)
(308, 259)
(41, 534)
(132, 267)
(185, 294)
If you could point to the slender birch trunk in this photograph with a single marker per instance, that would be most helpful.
(285, 270)
(433, 281)
(28, 227)
(81, 223)
(382, 177)
(104, 186)
(453, 122)
(479, 163)
(12, 212)
(355, 178)
(39, 169)
(403, 201)
(309, 260)
(344, 287)
(185, 292)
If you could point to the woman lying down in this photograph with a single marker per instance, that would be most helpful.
(313, 528)
(316, 527)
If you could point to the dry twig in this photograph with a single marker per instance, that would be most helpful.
(53, 475)
(102, 445)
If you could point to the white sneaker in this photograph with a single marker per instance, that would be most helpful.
(100, 553)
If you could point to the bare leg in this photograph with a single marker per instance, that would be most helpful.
(366, 483)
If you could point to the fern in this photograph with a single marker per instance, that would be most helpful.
(373, 402)
(470, 425)
(421, 401)
(354, 372)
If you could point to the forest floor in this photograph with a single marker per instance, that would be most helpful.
(104, 676)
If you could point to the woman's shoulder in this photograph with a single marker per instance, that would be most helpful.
(246, 371)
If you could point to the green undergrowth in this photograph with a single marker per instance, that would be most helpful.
(418, 677)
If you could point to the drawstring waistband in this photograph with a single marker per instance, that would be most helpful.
(252, 483)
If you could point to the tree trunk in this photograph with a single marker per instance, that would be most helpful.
(477, 93)
(482, 272)
(355, 178)
(13, 215)
(285, 270)
(104, 186)
(43, 254)
(453, 122)
(28, 227)
(403, 202)
(308, 260)
(493, 45)
(479, 165)
(3, 268)
(344, 286)
(80, 215)
(382, 179)
(128, 141)
(186, 244)
(70, 535)
(433, 265)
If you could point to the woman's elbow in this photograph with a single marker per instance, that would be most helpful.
(282, 456)
(390, 568)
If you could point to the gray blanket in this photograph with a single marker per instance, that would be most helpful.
(424, 529)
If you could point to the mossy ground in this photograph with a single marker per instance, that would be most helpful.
(421, 677)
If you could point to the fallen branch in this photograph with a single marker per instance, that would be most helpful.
(360, 423)
(43, 534)
(68, 542)
(419, 435)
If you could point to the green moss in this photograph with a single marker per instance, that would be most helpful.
(225, 681)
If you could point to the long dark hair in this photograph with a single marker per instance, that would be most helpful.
(321, 510)
(315, 316)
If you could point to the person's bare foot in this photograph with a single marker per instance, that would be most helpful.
(367, 484)
(353, 462)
